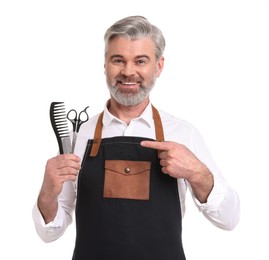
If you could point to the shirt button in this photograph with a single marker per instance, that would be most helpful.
(127, 170)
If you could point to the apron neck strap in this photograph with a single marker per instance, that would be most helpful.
(99, 125)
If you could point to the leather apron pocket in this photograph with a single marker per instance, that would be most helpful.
(127, 179)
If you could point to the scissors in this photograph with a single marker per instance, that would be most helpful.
(77, 120)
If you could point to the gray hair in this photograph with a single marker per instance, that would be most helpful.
(134, 28)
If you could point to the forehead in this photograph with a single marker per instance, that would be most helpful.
(131, 48)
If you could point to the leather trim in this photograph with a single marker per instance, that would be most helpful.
(127, 179)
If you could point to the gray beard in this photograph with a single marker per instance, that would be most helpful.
(129, 98)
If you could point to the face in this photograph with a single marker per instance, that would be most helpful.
(131, 70)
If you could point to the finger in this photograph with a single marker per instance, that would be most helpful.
(68, 164)
(164, 170)
(65, 160)
(164, 146)
(69, 171)
(64, 178)
(163, 162)
(163, 155)
(68, 156)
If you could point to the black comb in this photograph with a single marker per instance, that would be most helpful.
(60, 126)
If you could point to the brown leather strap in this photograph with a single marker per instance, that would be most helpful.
(158, 125)
(99, 125)
(97, 136)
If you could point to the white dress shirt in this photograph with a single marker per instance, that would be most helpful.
(222, 206)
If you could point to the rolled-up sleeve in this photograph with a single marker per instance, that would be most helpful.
(56, 228)
(223, 205)
(52, 230)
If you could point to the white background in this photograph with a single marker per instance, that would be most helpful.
(215, 76)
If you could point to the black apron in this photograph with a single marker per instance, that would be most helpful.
(127, 209)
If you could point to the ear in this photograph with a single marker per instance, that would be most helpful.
(160, 65)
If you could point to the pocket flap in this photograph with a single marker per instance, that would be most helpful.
(126, 167)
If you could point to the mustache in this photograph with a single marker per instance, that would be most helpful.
(128, 79)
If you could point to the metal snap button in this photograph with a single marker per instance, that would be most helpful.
(127, 170)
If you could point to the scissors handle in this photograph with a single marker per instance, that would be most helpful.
(72, 117)
(82, 118)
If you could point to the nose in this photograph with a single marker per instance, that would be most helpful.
(128, 69)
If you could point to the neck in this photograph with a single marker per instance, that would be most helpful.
(126, 113)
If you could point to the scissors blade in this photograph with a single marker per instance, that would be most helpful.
(75, 134)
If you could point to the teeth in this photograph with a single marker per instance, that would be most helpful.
(129, 83)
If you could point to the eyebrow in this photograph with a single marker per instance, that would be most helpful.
(142, 56)
(137, 57)
(116, 56)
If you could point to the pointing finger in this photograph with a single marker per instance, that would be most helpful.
(164, 146)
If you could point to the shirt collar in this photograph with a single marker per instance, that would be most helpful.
(146, 116)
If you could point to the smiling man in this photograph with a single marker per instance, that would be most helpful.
(138, 162)
(131, 69)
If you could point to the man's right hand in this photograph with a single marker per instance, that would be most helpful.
(59, 169)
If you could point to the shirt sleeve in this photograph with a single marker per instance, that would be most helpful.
(56, 228)
(222, 207)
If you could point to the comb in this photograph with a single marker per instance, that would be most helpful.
(60, 126)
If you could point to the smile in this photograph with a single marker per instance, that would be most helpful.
(128, 83)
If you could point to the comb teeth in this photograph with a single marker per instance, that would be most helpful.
(59, 115)
(60, 126)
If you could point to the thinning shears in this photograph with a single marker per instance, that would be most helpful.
(77, 120)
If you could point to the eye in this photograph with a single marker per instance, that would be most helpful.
(140, 62)
(117, 61)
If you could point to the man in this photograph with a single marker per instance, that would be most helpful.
(137, 165)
